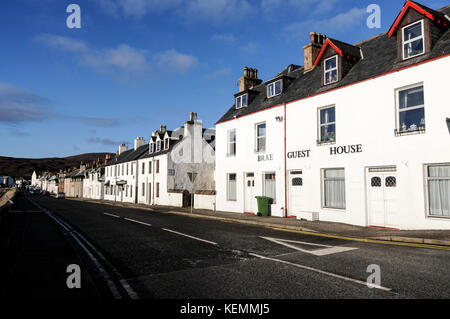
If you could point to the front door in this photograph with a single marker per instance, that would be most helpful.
(296, 194)
(382, 198)
(249, 187)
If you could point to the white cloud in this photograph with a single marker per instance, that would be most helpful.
(215, 11)
(124, 58)
(224, 38)
(172, 60)
(340, 23)
(18, 105)
(218, 73)
(316, 6)
(250, 47)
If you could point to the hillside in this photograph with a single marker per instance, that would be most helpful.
(24, 167)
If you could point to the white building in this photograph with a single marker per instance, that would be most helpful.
(172, 160)
(121, 174)
(34, 180)
(93, 183)
(358, 135)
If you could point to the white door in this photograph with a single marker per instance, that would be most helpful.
(382, 198)
(296, 193)
(249, 187)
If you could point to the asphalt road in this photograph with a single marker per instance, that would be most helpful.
(159, 255)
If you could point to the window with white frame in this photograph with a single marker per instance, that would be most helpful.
(275, 88)
(438, 184)
(331, 70)
(270, 186)
(327, 124)
(411, 109)
(231, 187)
(241, 101)
(333, 183)
(158, 147)
(232, 143)
(152, 147)
(260, 137)
(413, 40)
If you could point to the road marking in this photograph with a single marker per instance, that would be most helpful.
(111, 215)
(189, 236)
(321, 272)
(363, 240)
(83, 243)
(328, 250)
(136, 221)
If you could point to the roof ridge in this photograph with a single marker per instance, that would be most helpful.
(371, 38)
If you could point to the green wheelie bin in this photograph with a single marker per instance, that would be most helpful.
(263, 205)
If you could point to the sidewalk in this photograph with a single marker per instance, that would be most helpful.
(319, 228)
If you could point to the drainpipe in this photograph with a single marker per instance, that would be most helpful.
(137, 183)
(285, 167)
(153, 184)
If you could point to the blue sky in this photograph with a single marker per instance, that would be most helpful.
(137, 64)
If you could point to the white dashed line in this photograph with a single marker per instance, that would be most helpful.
(136, 221)
(192, 237)
(111, 215)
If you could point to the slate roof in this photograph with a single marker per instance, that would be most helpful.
(347, 48)
(162, 152)
(379, 57)
(128, 156)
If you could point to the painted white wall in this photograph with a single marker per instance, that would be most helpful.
(365, 114)
(246, 160)
(115, 175)
(204, 201)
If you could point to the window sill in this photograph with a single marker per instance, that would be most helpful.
(231, 155)
(412, 132)
(439, 217)
(334, 209)
(323, 143)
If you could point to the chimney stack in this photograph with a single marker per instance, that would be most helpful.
(138, 142)
(122, 148)
(249, 80)
(312, 50)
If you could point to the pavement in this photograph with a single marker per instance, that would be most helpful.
(318, 228)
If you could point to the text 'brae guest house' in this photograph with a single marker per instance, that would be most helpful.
(359, 135)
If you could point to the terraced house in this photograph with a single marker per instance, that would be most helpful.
(173, 169)
(358, 135)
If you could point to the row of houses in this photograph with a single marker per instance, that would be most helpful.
(359, 134)
(174, 168)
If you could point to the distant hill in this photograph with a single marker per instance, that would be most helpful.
(24, 167)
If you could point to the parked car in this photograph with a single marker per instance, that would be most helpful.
(61, 195)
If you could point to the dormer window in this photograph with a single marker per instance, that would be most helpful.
(158, 147)
(166, 144)
(413, 40)
(241, 101)
(331, 70)
(152, 147)
(274, 89)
